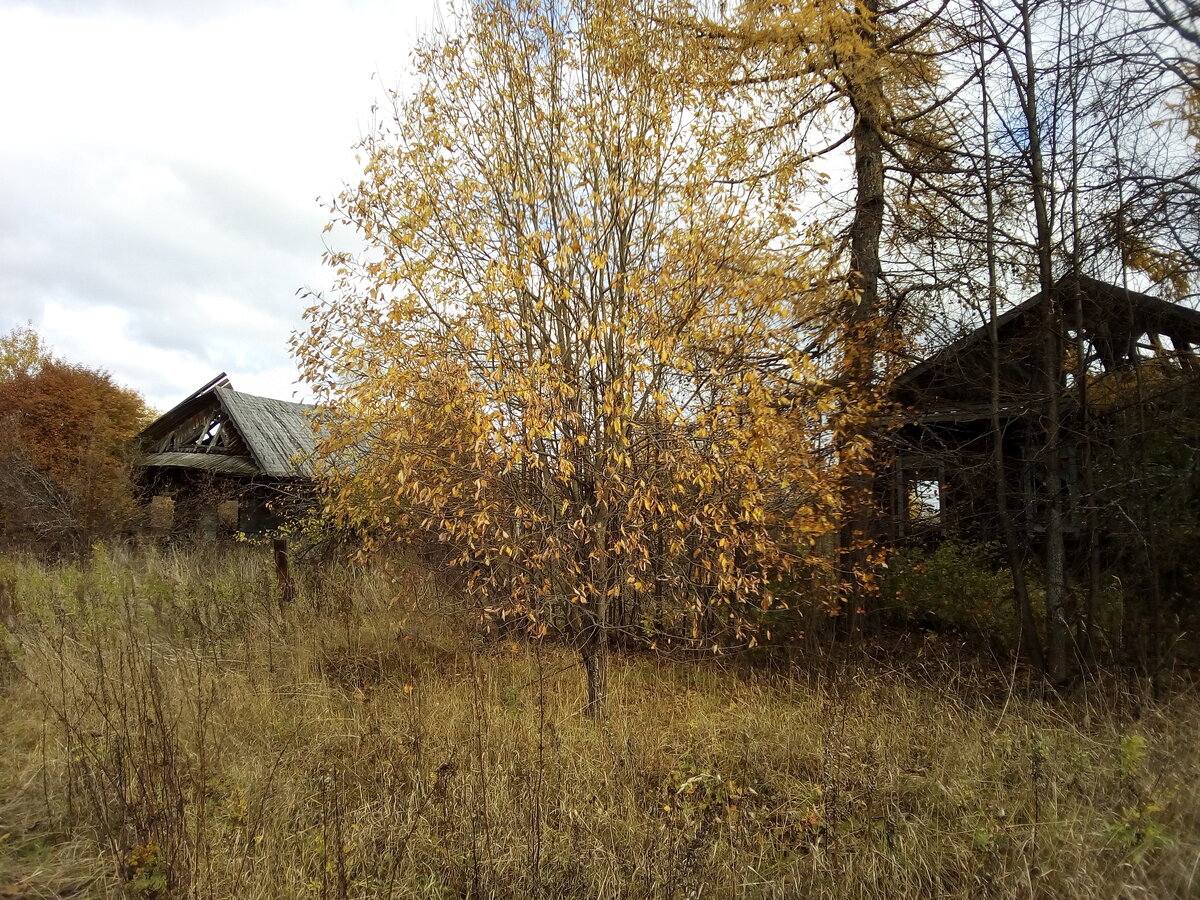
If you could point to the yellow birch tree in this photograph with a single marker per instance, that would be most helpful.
(565, 345)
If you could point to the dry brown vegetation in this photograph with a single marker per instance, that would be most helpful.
(169, 733)
(65, 477)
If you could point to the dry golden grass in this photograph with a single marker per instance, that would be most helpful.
(171, 734)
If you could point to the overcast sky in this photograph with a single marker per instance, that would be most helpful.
(160, 163)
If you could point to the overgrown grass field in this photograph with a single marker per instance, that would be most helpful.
(168, 731)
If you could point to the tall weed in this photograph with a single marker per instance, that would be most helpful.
(365, 742)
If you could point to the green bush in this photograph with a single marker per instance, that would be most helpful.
(955, 586)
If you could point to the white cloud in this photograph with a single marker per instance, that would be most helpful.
(159, 169)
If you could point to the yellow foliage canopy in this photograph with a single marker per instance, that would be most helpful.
(567, 347)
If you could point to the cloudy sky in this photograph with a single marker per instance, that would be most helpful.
(160, 164)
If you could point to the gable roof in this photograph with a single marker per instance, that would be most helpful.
(276, 438)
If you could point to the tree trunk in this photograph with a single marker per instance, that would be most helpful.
(1088, 628)
(1030, 643)
(594, 648)
(1051, 362)
(595, 664)
(860, 340)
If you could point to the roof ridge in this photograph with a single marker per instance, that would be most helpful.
(230, 389)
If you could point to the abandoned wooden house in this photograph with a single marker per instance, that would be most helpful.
(1111, 345)
(223, 461)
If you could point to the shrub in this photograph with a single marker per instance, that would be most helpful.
(64, 457)
(955, 586)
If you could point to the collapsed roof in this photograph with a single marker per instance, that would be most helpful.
(227, 432)
(1116, 326)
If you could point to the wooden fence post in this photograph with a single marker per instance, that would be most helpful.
(283, 576)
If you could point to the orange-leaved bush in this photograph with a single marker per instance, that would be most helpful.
(65, 434)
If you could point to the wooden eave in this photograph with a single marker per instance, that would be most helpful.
(215, 463)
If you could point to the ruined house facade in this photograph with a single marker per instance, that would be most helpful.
(1120, 357)
(223, 461)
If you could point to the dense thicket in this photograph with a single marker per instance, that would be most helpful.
(65, 435)
(636, 280)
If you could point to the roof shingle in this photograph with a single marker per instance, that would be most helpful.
(278, 433)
